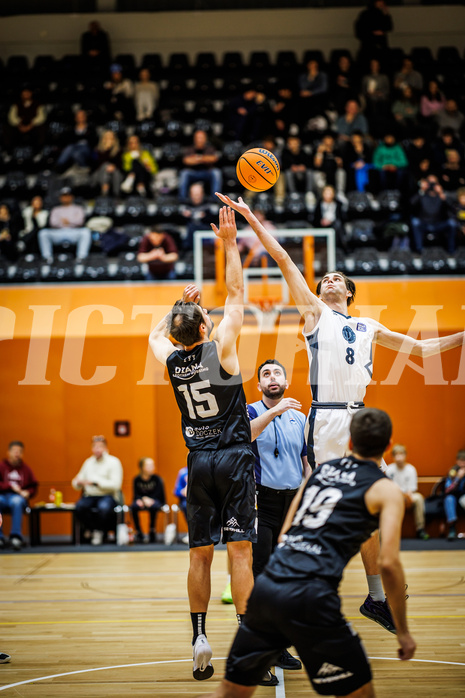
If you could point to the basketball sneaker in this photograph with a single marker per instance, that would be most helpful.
(378, 611)
(269, 680)
(226, 596)
(202, 668)
(287, 661)
(4, 658)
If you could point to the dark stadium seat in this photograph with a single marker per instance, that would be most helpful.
(128, 64)
(314, 55)
(104, 206)
(423, 60)
(336, 54)
(232, 64)
(205, 65)
(135, 210)
(171, 155)
(259, 65)
(449, 60)
(154, 63)
(146, 131)
(16, 70)
(178, 66)
(44, 70)
(15, 185)
(367, 261)
(286, 64)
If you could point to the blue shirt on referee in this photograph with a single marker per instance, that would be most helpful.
(279, 449)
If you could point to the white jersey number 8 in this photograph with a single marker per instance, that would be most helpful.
(317, 506)
(194, 395)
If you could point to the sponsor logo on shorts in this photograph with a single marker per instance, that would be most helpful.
(233, 525)
(203, 432)
(328, 673)
(361, 327)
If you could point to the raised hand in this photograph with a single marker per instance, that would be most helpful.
(287, 403)
(240, 206)
(191, 294)
(227, 229)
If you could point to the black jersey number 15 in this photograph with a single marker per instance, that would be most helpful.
(199, 405)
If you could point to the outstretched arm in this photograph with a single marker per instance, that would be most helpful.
(307, 303)
(417, 347)
(230, 326)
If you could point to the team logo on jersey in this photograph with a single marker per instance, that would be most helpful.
(190, 432)
(361, 327)
(348, 334)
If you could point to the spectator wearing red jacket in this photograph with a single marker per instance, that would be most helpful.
(17, 485)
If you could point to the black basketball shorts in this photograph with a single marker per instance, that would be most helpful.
(306, 614)
(221, 495)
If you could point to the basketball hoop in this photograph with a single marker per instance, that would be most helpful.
(266, 311)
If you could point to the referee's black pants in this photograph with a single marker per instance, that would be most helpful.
(272, 507)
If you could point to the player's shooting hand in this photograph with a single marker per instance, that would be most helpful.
(407, 646)
(227, 229)
(191, 294)
(240, 206)
(287, 403)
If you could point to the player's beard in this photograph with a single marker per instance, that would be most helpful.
(274, 394)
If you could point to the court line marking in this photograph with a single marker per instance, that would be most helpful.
(179, 661)
(175, 620)
(280, 688)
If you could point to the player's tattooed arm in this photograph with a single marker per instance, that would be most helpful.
(307, 303)
(417, 347)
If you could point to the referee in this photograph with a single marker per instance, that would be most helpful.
(279, 445)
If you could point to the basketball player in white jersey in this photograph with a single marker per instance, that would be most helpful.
(340, 356)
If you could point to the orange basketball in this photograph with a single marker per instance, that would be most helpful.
(258, 169)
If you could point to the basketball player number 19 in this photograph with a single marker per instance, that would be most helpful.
(194, 395)
(317, 506)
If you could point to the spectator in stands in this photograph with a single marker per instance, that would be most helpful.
(352, 120)
(452, 173)
(460, 213)
(375, 91)
(390, 162)
(240, 117)
(419, 156)
(26, 122)
(199, 165)
(180, 491)
(358, 159)
(35, 217)
(432, 102)
(405, 112)
(140, 167)
(371, 28)
(455, 493)
(81, 142)
(120, 94)
(95, 48)
(148, 495)
(100, 480)
(66, 225)
(296, 169)
(284, 109)
(432, 214)
(197, 212)
(342, 84)
(405, 476)
(158, 249)
(108, 166)
(10, 225)
(328, 214)
(17, 485)
(313, 92)
(329, 165)
(408, 77)
(450, 118)
(146, 96)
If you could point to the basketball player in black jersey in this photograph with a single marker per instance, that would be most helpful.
(295, 601)
(207, 384)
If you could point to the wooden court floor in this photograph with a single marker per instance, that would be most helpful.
(117, 624)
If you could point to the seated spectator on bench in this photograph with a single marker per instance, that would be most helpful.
(296, 168)
(140, 167)
(17, 485)
(149, 495)
(459, 209)
(329, 165)
(313, 86)
(81, 142)
(450, 118)
(390, 162)
(146, 96)
(342, 84)
(197, 212)
(180, 491)
(432, 214)
(199, 163)
(100, 479)
(10, 225)
(351, 121)
(375, 90)
(66, 225)
(35, 218)
(107, 162)
(408, 77)
(432, 102)
(328, 214)
(120, 94)
(158, 249)
(358, 157)
(405, 112)
(455, 493)
(405, 475)
(26, 122)
(452, 173)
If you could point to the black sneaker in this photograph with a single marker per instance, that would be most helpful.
(422, 535)
(2, 543)
(152, 537)
(16, 543)
(287, 661)
(378, 611)
(4, 658)
(269, 680)
(139, 537)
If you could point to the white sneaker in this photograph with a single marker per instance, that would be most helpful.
(185, 540)
(202, 668)
(170, 534)
(97, 538)
(4, 658)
